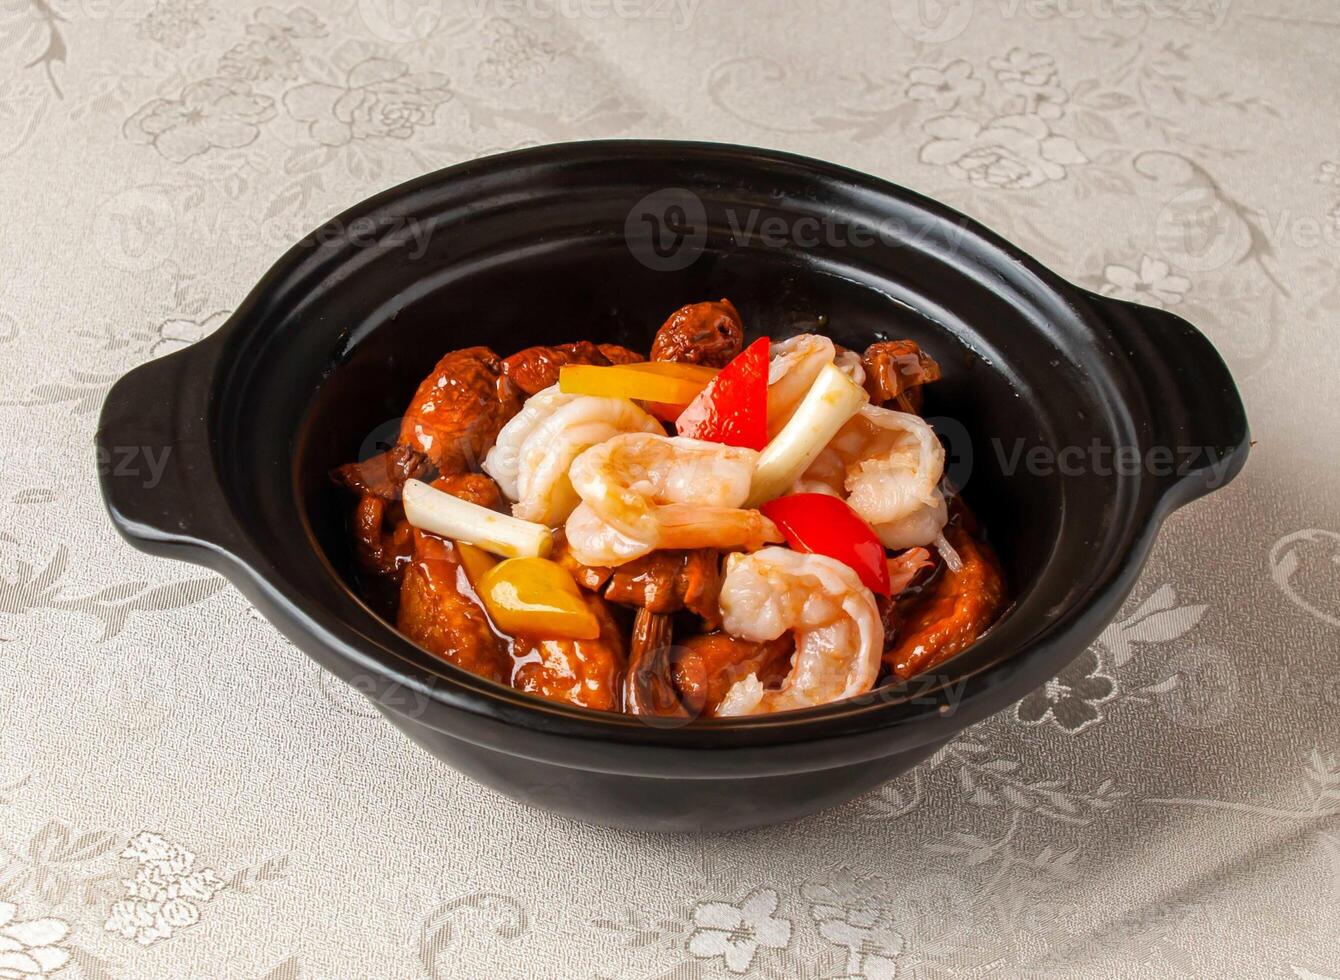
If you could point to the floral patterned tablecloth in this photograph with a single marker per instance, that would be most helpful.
(182, 794)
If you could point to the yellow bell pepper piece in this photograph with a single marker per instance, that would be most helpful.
(538, 598)
(652, 381)
(476, 561)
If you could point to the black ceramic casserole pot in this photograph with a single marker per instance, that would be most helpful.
(1075, 424)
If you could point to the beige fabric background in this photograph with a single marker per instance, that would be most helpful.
(182, 794)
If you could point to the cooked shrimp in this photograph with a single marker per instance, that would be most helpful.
(794, 364)
(531, 456)
(642, 491)
(887, 465)
(590, 541)
(836, 626)
(905, 567)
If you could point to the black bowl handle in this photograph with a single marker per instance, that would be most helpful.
(155, 463)
(1198, 438)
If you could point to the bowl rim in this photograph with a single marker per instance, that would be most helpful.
(988, 675)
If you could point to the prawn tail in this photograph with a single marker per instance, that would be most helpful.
(904, 568)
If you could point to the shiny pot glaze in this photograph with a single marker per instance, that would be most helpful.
(599, 241)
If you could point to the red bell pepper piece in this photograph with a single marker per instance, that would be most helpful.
(824, 525)
(733, 408)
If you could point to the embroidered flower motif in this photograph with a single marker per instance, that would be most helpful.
(511, 54)
(1328, 172)
(735, 932)
(1032, 78)
(1160, 618)
(857, 924)
(944, 86)
(1072, 698)
(1028, 68)
(1047, 101)
(162, 896)
(174, 22)
(1016, 152)
(30, 950)
(1153, 284)
(270, 56)
(269, 51)
(215, 112)
(871, 945)
(381, 98)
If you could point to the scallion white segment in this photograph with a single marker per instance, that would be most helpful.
(430, 509)
(831, 401)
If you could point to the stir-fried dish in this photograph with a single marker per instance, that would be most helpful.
(718, 529)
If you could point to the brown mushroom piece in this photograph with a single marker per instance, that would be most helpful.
(707, 666)
(670, 581)
(536, 368)
(440, 611)
(952, 612)
(452, 421)
(382, 537)
(438, 616)
(616, 354)
(659, 585)
(587, 673)
(458, 409)
(895, 371)
(590, 577)
(650, 689)
(384, 474)
(382, 540)
(700, 333)
(474, 487)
